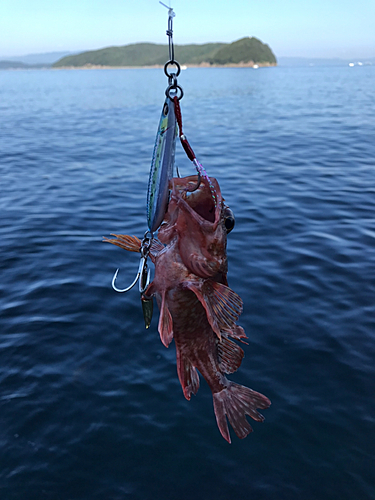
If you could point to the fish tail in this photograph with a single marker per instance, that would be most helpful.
(235, 402)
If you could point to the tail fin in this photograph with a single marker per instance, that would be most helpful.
(235, 402)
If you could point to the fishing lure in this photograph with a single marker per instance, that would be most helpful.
(161, 172)
(162, 166)
(197, 308)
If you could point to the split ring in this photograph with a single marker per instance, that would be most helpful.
(172, 63)
(176, 88)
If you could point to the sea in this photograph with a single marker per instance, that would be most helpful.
(90, 403)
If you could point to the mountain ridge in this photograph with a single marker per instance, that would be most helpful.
(246, 51)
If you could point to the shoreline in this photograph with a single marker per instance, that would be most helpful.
(89, 66)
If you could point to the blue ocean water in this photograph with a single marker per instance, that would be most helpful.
(91, 406)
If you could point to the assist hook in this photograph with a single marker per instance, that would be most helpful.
(143, 273)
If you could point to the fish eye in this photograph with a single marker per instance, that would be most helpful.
(228, 219)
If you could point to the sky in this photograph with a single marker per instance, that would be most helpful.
(292, 28)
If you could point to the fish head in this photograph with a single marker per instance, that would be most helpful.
(198, 221)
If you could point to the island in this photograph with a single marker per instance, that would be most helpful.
(246, 52)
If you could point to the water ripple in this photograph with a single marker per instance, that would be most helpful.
(90, 401)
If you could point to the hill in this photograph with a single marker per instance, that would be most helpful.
(245, 51)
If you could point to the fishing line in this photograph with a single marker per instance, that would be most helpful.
(162, 166)
(172, 93)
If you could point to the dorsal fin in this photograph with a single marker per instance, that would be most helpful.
(230, 355)
(238, 333)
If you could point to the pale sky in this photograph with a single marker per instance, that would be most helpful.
(304, 28)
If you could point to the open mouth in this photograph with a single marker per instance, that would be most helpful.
(202, 202)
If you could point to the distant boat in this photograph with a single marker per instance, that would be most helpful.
(183, 67)
(255, 66)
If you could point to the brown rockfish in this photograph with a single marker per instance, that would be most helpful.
(197, 308)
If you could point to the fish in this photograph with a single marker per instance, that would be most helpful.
(197, 308)
(162, 165)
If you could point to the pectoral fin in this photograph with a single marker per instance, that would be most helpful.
(223, 306)
(187, 375)
(165, 327)
(156, 246)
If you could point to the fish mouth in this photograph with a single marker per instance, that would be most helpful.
(203, 202)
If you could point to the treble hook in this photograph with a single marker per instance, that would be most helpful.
(142, 270)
